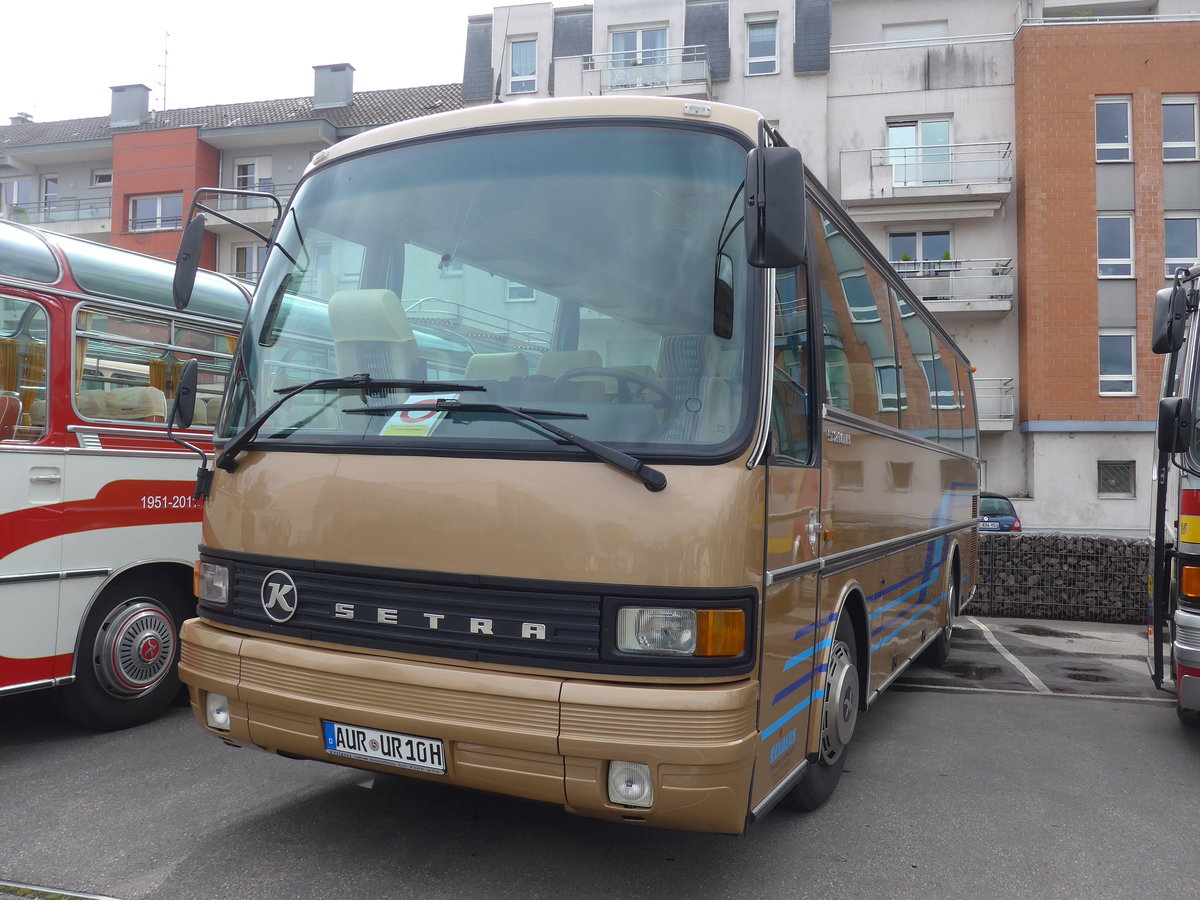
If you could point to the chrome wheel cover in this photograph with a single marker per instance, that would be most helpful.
(135, 647)
(840, 712)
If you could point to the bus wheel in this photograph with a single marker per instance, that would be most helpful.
(839, 715)
(126, 669)
(938, 652)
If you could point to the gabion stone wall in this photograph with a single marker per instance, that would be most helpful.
(1080, 578)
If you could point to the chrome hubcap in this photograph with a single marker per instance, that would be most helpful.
(840, 713)
(134, 648)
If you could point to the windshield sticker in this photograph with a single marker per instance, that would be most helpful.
(415, 422)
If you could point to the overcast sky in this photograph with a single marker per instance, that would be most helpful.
(61, 66)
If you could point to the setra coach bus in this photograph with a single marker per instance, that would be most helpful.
(705, 485)
(98, 525)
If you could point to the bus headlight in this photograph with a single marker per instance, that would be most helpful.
(212, 584)
(216, 711)
(680, 631)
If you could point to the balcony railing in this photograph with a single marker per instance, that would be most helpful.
(226, 203)
(947, 172)
(479, 324)
(946, 164)
(996, 403)
(50, 213)
(674, 71)
(959, 279)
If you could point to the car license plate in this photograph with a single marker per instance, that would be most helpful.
(989, 526)
(404, 751)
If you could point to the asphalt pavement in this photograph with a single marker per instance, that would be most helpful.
(1040, 762)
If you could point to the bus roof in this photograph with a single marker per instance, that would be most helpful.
(735, 117)
(26, 253)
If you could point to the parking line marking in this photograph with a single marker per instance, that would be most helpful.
(955, 688)
(1038, 684)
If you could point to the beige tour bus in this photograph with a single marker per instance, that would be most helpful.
(582, 451)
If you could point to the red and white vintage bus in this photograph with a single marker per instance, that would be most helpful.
(98, 528)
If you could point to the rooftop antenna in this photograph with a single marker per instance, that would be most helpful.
(163, 83)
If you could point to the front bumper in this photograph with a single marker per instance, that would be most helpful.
(537, 737)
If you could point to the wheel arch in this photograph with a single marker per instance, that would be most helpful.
(852, 602)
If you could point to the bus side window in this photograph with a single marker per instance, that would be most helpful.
(915, 354)
(862, 374)
(23, 371)
(790, 419)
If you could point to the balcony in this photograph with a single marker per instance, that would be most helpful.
(950, 180)
(86, 217)
(962, 288)
(669, 72)
(995, 403)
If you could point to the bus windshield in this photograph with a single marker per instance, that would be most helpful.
(595, 272)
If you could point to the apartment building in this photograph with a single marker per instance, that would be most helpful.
(127, 178)
(971, 142)
(1030, 165)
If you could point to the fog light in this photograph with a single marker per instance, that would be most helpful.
(216, 711)
(629, 784)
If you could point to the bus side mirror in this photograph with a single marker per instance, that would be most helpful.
(187, 262)
(1170, 316)
(775, 208)
(1174, 424)
(183, 408)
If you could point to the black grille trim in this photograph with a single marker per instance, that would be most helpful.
(391, 609)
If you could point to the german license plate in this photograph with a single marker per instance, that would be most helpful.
(989, 526)
(404, 751)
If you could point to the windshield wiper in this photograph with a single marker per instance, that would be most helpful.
(364, 382)
(653, 479)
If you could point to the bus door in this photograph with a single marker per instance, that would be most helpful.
(31, 485)
(791, 635)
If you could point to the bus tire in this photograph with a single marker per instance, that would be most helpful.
(842, 700)
(126, 668)
(937, 653)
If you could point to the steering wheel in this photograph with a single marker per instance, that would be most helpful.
(629, 385)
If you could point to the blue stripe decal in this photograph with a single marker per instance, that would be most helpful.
(795, 684)
(791, 714)
(920, 612)
(807, 654)
(809, 629)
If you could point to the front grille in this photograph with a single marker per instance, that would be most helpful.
(403, 612)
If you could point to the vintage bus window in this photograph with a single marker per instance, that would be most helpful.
(790, 396)
(24, 255)
(915, 349)
(128, 366)
(145, 279)
(604, 328)
(949, 396)
(23, 370)
(858, 327)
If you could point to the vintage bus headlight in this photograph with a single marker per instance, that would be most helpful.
(216, 711)
(680, 631)
(212, 584)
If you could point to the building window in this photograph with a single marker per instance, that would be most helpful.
(889, 386)
(919, 152)
(102, 178)
(942, 393)
(49, 193)
(156, 213)
(519, 293)
(1114, 246)
(1183, 249)
(860, 300)
(1179, 128)
(1116, 362)
(522, 67)
(1116, 478)
(248, 260)
(640, 47)
(1112, 129)
(762, 48)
